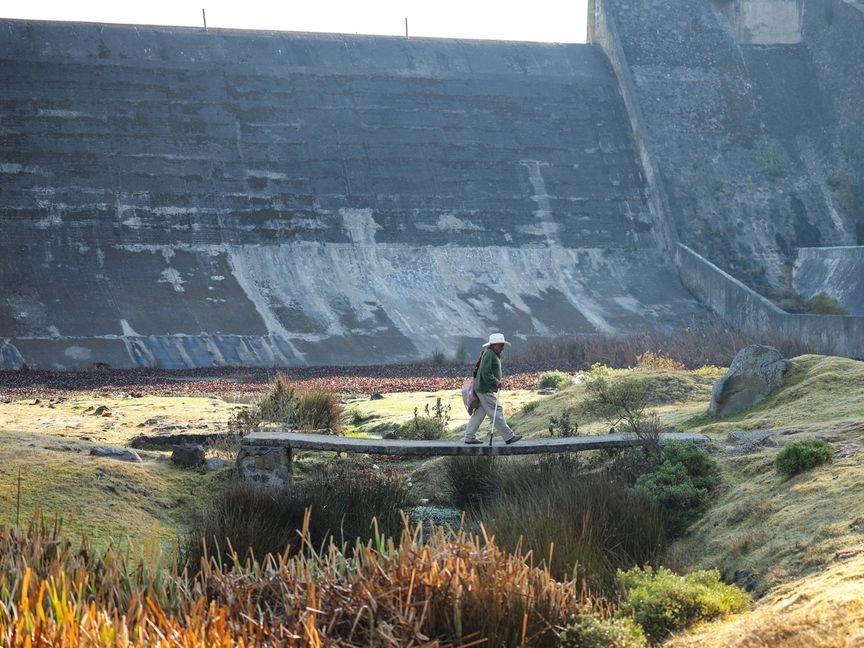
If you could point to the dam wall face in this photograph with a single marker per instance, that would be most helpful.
(179, 198)
(752, 116)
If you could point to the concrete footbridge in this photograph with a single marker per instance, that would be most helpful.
(265, 457)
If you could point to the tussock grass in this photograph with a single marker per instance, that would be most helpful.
(575, 521)
(589, 526)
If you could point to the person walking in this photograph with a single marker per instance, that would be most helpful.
(487, 386)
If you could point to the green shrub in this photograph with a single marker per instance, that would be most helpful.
(680, 484)
(530, 406)
(820, 304)
(428, 427)
(554, 380)
(620, 401)
(651, 361)
(599, 369)
(342, 499)
(562, 426)
(663, 602)
(771, 161)
(590, 631)
(700, 466)
(710, 371)
(590, 524)
(244, 421)
(799, 456)
(824, 304)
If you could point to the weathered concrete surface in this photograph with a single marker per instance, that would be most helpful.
(749, 141)
(265, 457)
(298, 441)
(747, 311)
(836, 271)
(833, 31)
(764, 22)
(179, 198)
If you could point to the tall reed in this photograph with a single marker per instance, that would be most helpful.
(442, 590)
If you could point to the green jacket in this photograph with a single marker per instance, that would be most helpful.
(489, 373)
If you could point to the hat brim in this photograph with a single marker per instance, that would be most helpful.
(488, 344)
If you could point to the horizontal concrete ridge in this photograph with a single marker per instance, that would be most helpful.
(297, 441)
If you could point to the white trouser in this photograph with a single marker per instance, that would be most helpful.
(487, 407)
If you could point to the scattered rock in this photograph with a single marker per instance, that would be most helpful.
(746, 579)
(102, 410)
(546, 391)
(430, 515)
(121, 454)
(188, 456)
(376, 396)
(847, 449)
(746, 441)
(755, 373)
(143, 441)
(390, 435)
(215, 463)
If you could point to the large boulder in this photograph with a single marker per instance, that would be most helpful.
(755, 373)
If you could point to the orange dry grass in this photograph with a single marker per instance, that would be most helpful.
(821, 611)
(463, 590)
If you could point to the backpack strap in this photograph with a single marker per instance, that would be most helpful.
(477, 366)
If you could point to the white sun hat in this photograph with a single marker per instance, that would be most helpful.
(496, 338)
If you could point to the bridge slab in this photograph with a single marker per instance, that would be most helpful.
(265, 457)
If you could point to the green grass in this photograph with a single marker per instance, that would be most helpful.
(98, 497)
(372, 418)
(818, 390)
(667, 392)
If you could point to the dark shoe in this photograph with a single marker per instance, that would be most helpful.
(513, 439)
(474, 442)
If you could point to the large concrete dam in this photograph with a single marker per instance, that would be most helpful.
(175, 197)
